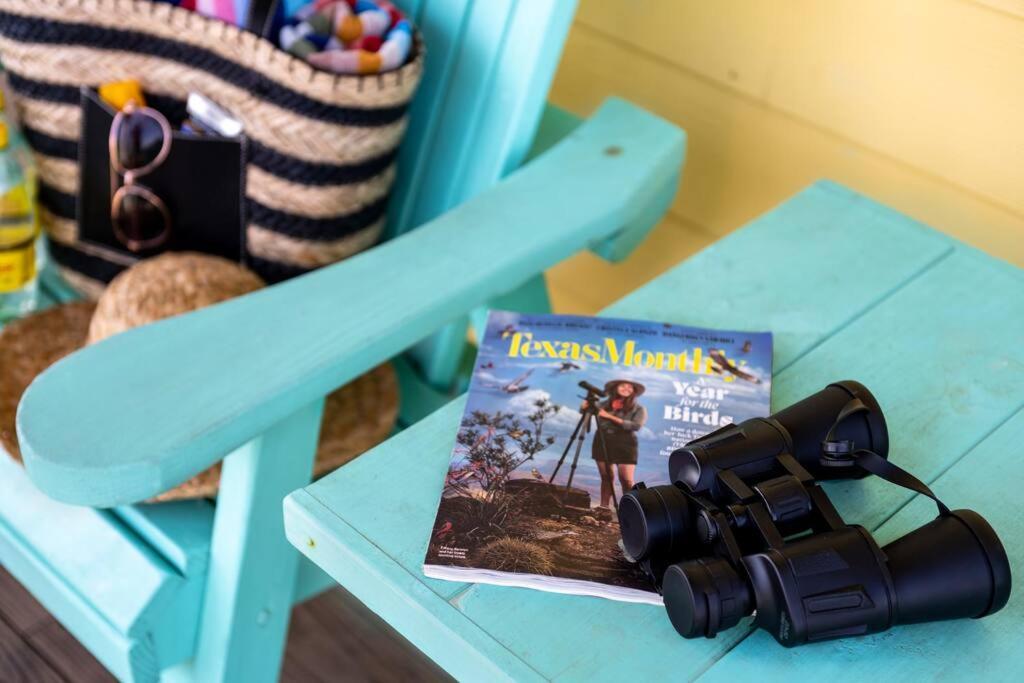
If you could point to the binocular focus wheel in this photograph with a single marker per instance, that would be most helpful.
(704, 596)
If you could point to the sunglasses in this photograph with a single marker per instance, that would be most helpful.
(140, 140)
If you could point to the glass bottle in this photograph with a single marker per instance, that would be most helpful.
(18, 230)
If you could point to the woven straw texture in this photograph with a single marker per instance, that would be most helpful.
(321, 146)
(356, 417)
(29, 346)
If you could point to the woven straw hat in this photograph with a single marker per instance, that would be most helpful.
(356, 417)
(30, 345)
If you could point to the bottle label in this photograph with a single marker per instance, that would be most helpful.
(18, 232)
(17, 266)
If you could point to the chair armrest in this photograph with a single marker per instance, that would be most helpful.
(139, 413)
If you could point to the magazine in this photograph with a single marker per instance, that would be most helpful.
(562, 413)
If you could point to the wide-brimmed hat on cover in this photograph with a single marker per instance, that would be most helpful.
(356, 417)
(611, 386)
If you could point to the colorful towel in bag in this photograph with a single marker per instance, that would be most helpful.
(349, 36)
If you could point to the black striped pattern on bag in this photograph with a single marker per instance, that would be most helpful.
(98, 268)
(38, 30)
(94, 267)
(49, 32)
(42, 143)
(63, 205)
(274, 271)
(60, 204)
(281, 165)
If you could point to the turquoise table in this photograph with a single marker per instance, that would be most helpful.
(852, 290)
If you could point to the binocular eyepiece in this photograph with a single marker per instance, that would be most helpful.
(744, 527)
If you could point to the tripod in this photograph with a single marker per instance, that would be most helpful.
(579, 435)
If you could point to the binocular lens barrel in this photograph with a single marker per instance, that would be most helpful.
(953, 567)
(826, 586)
(750, 448)
(840, 583)
(808, 423)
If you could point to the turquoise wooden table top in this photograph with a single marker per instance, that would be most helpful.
(852, 290)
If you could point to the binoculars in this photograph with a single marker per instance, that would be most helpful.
(745, 528)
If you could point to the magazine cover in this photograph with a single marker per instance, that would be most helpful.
(565, 413)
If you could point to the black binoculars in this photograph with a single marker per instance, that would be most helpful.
(745, 528)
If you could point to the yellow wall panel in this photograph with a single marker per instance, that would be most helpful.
(586, 283)
(1014, 7)
(934, 83)
(916, 103)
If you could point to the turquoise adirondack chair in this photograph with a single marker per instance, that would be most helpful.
(197, 591)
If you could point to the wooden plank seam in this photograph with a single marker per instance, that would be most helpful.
(932, 483)
(396, 564)
(974, 446)
(870, 306)
(910, 498)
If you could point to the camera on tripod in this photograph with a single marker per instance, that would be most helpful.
(593, 393)
(744, 527)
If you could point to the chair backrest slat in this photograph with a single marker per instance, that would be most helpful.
(488, 70)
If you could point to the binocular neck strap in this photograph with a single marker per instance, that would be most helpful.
(880, 467)
(876, 464)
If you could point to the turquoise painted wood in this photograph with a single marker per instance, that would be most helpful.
(851, 289)
(193, 591)
(182, 392)
(74, 560)
(250, 585)
(178, 531)
(495, 78)
(117, 622)
(82, 584)
(489, 68)
(986, 479)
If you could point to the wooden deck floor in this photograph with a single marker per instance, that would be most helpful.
(332, 638)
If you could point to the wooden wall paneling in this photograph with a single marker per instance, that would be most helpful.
(745, 157)
(933, 83)
(587, 283)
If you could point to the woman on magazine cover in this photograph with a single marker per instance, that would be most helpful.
(619, 419)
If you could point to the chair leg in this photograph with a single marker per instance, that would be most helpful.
(439, 355)
(529, 297)
(251, 582)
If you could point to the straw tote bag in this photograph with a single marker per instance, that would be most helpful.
(320, 149)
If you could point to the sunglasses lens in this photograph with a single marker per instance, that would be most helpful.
(140, 137)
(139, 220)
